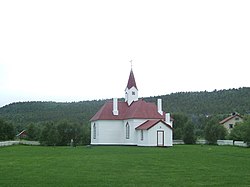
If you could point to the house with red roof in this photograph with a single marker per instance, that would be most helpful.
(232, 120)
(131, 122)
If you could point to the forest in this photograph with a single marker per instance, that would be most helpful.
(186, 107)
(222, 102)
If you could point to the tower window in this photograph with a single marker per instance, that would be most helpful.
(133, 93)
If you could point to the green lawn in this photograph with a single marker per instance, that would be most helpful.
(182, 165)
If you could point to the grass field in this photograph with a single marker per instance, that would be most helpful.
(182, 165)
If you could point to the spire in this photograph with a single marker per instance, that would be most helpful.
(131, 92)
(131, 80)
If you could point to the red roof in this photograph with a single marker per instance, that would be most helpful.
(22, 133)
(131, 80)
(137, 110)
(230, 117)
(150, 123)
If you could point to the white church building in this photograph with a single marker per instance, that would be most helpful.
(133, 122)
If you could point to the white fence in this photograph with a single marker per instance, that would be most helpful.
(177, 142)
(219, 142)
(231, 142)
(25, 142)
(8, 143)
(225, 142)
(201, 142)
(22, 142)
(240, 143)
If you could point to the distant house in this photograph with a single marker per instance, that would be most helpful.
(230, 122)
(131, 122)
(22, 134)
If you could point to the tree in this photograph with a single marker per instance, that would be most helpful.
(238, 132)
(7, 131)
(86, 134)
(188, 133)
(53, 136)
(247, 135)
(214, 131)
(49, 135)
(33, 132)
(68, 131)
(65, 132)
(242, 131)
(179, 122)
(246, 128)
(62, 133)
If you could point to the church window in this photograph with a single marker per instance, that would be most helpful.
(141, 135)
(133, 93)
(127, 131)
(94, 131)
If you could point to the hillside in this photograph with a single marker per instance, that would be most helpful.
(195, 103)
(207, 103)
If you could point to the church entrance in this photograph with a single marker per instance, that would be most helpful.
(160, 138)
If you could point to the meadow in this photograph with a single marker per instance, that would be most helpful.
(181, 165)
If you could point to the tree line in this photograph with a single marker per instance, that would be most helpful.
(209, 128)
(65, 133)
(49, 133)
(194, 113)
(193, 104)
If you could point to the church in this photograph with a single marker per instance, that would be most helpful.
(132, 122)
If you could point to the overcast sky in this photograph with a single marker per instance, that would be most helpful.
(57, 50)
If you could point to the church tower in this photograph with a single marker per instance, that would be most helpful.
(131, 91)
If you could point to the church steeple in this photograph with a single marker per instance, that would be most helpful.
(131, 80)
(131, 91)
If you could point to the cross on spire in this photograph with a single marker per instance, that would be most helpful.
(131, 61)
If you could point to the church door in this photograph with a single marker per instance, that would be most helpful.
(160, 138)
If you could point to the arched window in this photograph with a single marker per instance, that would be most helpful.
(127, 131)
(94, 131)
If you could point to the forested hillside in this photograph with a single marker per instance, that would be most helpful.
(24, 113)
(207, 103)
(195, 103)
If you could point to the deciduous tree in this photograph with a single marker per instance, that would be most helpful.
(214, 131)
(188, 133)
(7, 131)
